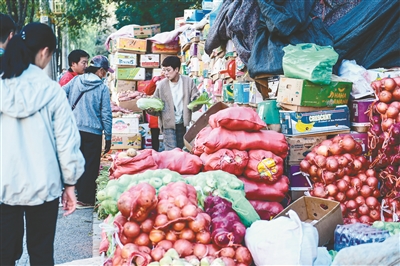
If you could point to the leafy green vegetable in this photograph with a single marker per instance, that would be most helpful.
(153, 103)
(202, 99)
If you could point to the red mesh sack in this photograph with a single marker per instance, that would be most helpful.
(221, 138)
(267, 192)
(132, 165)
(231, 161)
(179, 161)
(266, 210)
(198, 147)
(264, 166)
(237, 118)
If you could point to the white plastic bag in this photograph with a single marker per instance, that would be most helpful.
(282, 241)
(359, 76)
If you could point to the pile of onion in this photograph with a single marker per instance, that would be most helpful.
(339, 172)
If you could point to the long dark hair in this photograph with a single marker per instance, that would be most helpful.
(22, 48)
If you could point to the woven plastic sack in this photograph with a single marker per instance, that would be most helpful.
(237, 118)
(309, 61)
(231, 161)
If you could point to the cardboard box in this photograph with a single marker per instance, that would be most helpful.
(125, 44)
(201, 123)
(126, 141)
(126, 124)
(308, 123)
(150, 60)
(179, 22)
(146, 31)
(380, 73)
(323, 214)
(302, 92)
(298, 108)
(131, 73)
(359, 119)
(300, 146)
(167, 48)
(194, 15)
(156, 72)
(125, 85)
(141, 85)
(125, 59)
(130, 105)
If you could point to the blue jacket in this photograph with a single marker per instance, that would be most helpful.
(39, 140)
(93, 111)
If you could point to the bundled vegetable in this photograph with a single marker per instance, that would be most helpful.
(128, 95)
(150, 103)
(204, 98)
(226, 228)
(392, 227)
(137, 203)
(339, 172)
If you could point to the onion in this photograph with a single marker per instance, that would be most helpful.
(389, 84)
(347, 179)
(187, 234)
(332, 164)
(243, 256)
(320, 192)
(203, 237)
(357, 165)
(183, 247)
(348, 144)
(161, 220)
(372, 182)
(351, 193)
(310, 157)
(228, 261)
(358, 149)
(326, 142)
(336, 139)
(319, 173)
(365, 191)
(156, 236)
(356, 183)
(370, 172)
(332, 190)
(396, 94)
(142, 240)
(365, 219)
(349, 156)
(343, 209)
(171, 236)
(320, 161)
(363, 210)
(351, 205)
(335, 149)
(189, 210)
(328, 177)
(374, 214)
(181, 200)
(354, 220)
(165, 244)
(341, 197)
(178, 226)
(147, 225)
(343, 161)
(313, 170)
(387, 124)
(228, 252)
(340, 173)
(163, 206)
(212, 250)
(174, 213)
(198, 224)
(381, 107)
(200, 250)
(305, 166)
(392, 112)
(360, 200)
(342, 185)
(131, 229)
(385, 96)
(372, 203)
(323, 150)
(376, 193)
(157, 253)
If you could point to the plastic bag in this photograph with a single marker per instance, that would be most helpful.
(282, 241)
(358, 75)
(309, 61)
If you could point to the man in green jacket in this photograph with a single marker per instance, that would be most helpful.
(176, 91)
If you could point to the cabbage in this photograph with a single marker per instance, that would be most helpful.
(153, 103)
(202, 99)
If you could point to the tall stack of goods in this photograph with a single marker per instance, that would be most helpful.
(384, 142)
(235, 142)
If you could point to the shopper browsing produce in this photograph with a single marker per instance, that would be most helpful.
(39, 150)
(176, 92)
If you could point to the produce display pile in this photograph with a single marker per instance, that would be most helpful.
(340, 172)
(384, 142)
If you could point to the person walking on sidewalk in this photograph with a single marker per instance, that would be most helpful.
(39, 148)
(77, 61)
(90, 101)
(176, 91)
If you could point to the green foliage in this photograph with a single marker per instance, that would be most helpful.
(145, 12)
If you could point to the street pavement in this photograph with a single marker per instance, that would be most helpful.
(77, 238)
